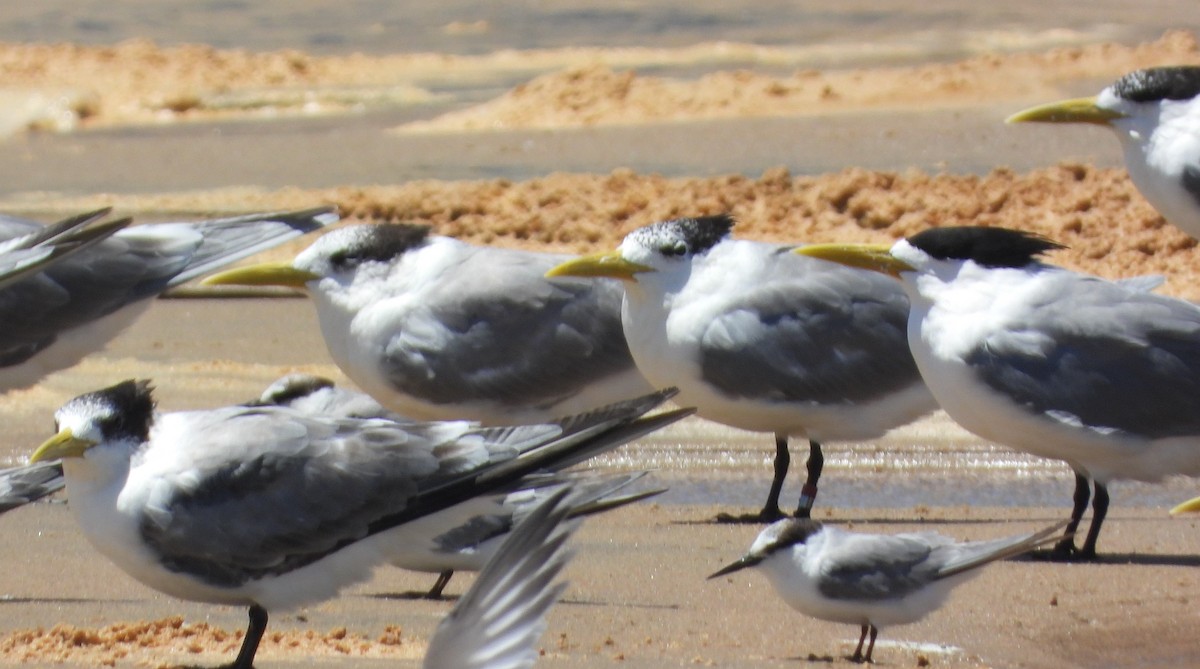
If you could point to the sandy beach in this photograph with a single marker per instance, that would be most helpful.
(564, 128)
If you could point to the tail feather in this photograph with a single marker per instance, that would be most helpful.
(1000, 549)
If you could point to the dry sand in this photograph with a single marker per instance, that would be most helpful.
(638, 598)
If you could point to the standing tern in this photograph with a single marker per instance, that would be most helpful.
(761, 339)
(435, 328)
(270, 508)
(496, 624)
(74, 306)
(1155, 114)
(445, 542)
(1100, 374)
(872, 580)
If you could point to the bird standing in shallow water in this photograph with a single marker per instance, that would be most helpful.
(434, 328)
(872, 580)
(1155, 114)
(1100, 374)
(760, 339)
(270, 508)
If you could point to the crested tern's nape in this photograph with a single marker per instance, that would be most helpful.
(270, 508)
(1102, 375)
(1155, 113)
(760, 339)
(871, 580)
(497, 623)
(435, 328)
(54, 317)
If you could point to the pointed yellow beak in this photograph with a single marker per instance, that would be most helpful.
(604, 265)
(62, 445)
(1190, 506)
(266, 274)
(875, 257)
(1078, 110)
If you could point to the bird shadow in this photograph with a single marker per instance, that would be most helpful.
(412, 595)
(1142, 559)
(869, 520)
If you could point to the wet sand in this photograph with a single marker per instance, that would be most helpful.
(852, 167)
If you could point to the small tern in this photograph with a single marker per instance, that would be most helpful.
(761, 339)
(1100, 374)
(1155, 114)
(496, 624)
(435, 328)
(872, 580)
(55, 317)
(271, 508)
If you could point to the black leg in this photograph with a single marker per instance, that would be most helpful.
(254, 632)
(1083, 491)
(439, 585)
(808, 494)
(870, 658)
(770, 511)
(857, 656)
(1099, 511)
(783, 460)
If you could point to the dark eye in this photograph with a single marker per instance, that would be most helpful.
(676, 248)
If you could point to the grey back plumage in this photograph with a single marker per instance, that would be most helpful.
(1111, 357)
(823, 333)
(518, 339)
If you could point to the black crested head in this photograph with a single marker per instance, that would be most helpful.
(1159, 83)
(379, 242)
(123, 411)
(792, 531)
(685, 236)
(989, 247)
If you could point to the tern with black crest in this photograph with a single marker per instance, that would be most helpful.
(270, 508)
(435, 328)
(1155, 113)
(760, 339)
(1102, 375)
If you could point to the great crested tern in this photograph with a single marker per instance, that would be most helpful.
(1100, 374)
(55, 317)
(28, 483)
(760, 339)
(445, 542)
(271, 508)
(496, 624)
(1155, 113)
(435, 328)
(872, 580)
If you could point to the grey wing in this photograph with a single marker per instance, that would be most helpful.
(831, 335)
(29, 248)
(514, 337)
(131, 265)
(227, 240)
(498, 621)
(270, 489)
(22, 485)
(876, 567)
(1104, 355)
